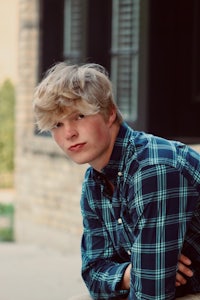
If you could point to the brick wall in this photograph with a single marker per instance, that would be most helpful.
(48, 186)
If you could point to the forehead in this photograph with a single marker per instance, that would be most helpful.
(73, 113)
(69, 113)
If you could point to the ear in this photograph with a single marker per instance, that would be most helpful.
(112, 116)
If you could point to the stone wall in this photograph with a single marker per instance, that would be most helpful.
(47, 185)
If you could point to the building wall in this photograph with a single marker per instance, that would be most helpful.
(9, 40)
(47, 185)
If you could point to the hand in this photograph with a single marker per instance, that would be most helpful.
(183, 262)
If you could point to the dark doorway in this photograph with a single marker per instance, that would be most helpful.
(174, 69)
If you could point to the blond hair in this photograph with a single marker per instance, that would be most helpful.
(84, 88)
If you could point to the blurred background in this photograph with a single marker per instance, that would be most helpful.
(151, 51)
(9, 20)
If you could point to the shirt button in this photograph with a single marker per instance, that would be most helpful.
(129, 252)
(119, 173)
(119, 221)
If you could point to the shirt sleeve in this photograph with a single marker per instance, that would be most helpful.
(164, 204)
(102, 269)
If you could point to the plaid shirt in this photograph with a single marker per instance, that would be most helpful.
(144, 221)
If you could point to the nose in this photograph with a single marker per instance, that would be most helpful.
(70, 131)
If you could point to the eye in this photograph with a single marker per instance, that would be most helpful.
(57, 125)
(80, 116)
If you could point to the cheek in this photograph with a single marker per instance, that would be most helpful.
(102, 135)
(57, 139)
(54, 136)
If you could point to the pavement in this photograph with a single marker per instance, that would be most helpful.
(30, 272)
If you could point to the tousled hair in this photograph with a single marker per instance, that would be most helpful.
(86, 88)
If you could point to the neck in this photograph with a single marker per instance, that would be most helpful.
(113, 134)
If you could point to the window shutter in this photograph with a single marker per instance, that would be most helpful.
(124, 55)
(75, 30)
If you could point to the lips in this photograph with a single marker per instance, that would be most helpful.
(76, 147)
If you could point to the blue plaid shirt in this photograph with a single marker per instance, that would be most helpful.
(151, 216)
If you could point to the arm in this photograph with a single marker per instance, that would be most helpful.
(165, 213)
(183, 263)
(102, 268)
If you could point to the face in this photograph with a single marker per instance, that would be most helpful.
(86, 139)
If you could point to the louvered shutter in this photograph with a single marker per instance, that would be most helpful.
(75, 30)
(124, 55)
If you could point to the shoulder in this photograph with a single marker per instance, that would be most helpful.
(145, 150)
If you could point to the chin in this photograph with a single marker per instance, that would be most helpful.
(80, 162)
(82, 159)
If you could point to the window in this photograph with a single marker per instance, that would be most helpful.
(75, 34)
(125, 55)
(196, 50)
(51, 33)
(87, 31)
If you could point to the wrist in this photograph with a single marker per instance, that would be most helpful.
(125, 283)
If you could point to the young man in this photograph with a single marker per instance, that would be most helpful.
(140, 197)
